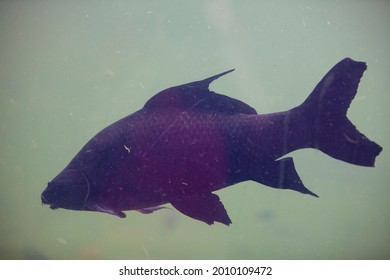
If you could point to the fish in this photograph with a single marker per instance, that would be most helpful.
(187, 142)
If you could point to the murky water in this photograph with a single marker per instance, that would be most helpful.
(70, 68)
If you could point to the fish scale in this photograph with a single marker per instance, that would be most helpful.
(188, 142)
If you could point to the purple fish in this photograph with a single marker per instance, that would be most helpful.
(188, 142)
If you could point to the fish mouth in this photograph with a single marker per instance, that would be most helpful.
(46, 202)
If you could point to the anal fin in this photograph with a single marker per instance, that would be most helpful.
(281, 174)
(205, 207)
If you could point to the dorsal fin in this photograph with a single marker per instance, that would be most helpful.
(197, 96)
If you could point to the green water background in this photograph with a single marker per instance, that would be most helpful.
(70, 68)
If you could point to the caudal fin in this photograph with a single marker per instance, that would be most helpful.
(326, 108)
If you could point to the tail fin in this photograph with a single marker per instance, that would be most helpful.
(326, 107)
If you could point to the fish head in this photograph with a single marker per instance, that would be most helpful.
(69, 190)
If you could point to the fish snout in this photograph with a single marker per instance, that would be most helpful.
(68, 190)
(45, 198)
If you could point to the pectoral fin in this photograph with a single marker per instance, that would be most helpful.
(104, 209)
(205, 207)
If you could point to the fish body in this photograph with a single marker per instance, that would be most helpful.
(188, 142)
